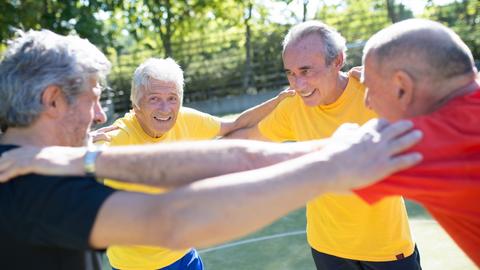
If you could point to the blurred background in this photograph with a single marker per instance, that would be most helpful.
(230, 50)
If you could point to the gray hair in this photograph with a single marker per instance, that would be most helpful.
(38, 59)
(158, 69)
(422, 48)
(334, 43)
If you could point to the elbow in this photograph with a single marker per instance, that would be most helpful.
(169, 227)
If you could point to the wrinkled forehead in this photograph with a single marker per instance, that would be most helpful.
(301, 55)
(162, 86)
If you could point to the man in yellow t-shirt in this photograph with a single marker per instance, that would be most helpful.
(158, 116)
(343, 231)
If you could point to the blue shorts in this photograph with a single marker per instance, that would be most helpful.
(191, 261)
(326, 262)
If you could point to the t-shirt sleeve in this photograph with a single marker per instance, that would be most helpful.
(277, 125)
(417, 182)
(203, 125)
(52, 211)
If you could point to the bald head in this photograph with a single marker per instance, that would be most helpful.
(423, 48)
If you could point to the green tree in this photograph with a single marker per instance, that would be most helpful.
(461, 16)
(60, 16)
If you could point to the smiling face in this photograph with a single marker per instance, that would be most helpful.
(308, 74)
(158, 107)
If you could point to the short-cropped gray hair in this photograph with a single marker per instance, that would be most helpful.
(157, 69)
(333, 42)
(38, 59)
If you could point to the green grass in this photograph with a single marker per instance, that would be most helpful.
(437, 250)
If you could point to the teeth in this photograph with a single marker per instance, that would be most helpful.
(162, 118)
(307, 94)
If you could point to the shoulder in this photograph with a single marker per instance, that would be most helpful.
(289, 104)
(355, 85)
(126, 127)
(187, 111)
(119, 136)
(191, 115)
(62, 208)
(45, 189)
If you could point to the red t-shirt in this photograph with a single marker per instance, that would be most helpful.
(447, 181)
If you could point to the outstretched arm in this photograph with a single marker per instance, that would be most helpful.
(222, 208)
(251, 117)
(164, 165)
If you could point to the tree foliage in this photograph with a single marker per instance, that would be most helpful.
(224, 46)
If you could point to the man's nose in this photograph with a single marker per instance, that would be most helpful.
(100, 117)
(300, 83)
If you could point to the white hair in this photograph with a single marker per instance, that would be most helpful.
(159, 69)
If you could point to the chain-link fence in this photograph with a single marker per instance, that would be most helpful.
(248, 62)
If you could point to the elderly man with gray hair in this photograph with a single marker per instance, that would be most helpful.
(49, 96)
(422, 70)
(158, 116)
(343, 231)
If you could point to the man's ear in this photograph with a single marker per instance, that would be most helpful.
(338, 62)
(54, 101)
(404, 85)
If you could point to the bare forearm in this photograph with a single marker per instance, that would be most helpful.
(254, 115)
(246, 202)
(176, 164)
(225, 207)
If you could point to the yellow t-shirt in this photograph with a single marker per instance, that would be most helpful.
(190, 125)
(342, 225)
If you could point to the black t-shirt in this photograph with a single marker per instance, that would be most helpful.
(45, 221)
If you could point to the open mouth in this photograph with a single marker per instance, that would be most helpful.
(166, 118)
(308, 94)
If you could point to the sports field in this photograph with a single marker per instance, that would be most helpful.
(283, 246)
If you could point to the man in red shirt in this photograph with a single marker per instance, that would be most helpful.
(422, 70)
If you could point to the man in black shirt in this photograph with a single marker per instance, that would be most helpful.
(49, 96)
(45, 222)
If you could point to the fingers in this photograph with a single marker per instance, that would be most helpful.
(346, 129)
(107, 129)
(101, 134)
(5, 166)
(404, 161)
(100, 137)
(287, 93)
(7, 175)
(396, 129)
(402, 143)
(375, 124)
(356, 72)
(9, 169)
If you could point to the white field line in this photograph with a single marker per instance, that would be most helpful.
(252, 240)
(280, 235)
